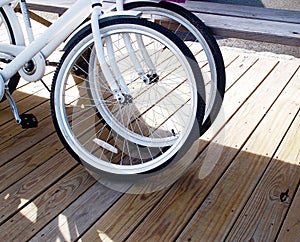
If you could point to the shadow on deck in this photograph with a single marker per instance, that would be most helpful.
(243, 185)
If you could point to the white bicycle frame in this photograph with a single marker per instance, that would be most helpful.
(40, 48)
(49, 40)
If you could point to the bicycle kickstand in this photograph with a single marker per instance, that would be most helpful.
(26, 120)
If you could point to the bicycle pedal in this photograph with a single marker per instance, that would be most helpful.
(28, 121)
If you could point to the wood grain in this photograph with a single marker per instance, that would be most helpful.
(169, 214)
(244, 11)
(242, 89)
(119, 222)
(11, 129)
(24, 140)
(31, 159)
(80, 215)
(238, 68)
(273, 194)
(47, 205)
(258, 30)
(34, 183)
(290, 230)
(229, 196)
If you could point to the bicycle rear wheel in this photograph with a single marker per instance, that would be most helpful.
(153, 126)
(200, 41)
(7, 37)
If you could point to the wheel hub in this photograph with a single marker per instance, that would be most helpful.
(128, 99)
(150, 78)
(30, 67)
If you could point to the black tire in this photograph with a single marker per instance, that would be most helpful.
(81, 37)
(205, 32)
(13, 82)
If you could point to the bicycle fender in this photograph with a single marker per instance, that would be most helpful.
(120, 14)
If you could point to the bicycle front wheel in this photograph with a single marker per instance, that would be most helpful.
(200, 41)
(153, 126)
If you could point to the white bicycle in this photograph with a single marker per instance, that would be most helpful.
(198, 37)
(128, 95)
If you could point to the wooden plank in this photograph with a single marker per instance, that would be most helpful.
(122, 231)
(130, 204)
(24, 140)
(229, 197)
(32, 158)
(238, 68)
(34, 183)
(29, 98)
(253, 23)
(291, 227)
(274, 191)
(123, 217)
(169, 217)
(242, 89)
(11, 129)
(36, 213)
(18, 96)
(59, 3)
(79, 216)
(249, 12)
(35, 16)
(32, 104)
(205, 7)
(228, 56)
(259, 30)
(47, 8)
(39, 19)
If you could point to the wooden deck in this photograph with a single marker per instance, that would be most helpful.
(243, 185)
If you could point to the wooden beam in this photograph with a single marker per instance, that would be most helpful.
(254, 29)
(39, 19)
(227, 20)
(241, 11)
(251, 23)
(47, 8)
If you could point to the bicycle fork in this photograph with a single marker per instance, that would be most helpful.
(115, 80)
(116, 89)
